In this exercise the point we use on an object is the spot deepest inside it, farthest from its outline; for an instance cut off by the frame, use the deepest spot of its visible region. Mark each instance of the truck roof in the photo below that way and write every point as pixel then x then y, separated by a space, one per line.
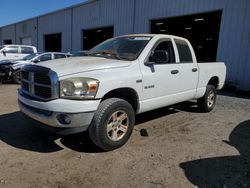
pixel 153 35
pixel 18 45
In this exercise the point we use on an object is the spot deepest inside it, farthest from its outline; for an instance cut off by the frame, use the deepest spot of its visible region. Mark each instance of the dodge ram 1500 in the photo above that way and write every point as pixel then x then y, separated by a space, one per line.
pixel 127 75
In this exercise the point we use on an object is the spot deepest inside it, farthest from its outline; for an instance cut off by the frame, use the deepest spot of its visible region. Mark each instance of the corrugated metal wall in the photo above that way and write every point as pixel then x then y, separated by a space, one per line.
pixel 8 33
pixel 1 36
pixel 117 13
pixel 234 41
pixel 133 16
pixel 27 29
pixel 58 22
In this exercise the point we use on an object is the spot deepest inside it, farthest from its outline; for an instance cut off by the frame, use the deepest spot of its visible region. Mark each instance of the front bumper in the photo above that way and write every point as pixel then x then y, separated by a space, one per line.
pixel 49 114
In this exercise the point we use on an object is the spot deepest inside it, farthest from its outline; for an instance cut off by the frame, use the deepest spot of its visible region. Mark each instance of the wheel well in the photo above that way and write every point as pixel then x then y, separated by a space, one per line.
pixel 214 81
pixel 127 94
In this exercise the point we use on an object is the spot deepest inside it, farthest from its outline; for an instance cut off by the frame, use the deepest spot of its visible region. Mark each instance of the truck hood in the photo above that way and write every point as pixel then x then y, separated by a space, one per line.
pixel 74 65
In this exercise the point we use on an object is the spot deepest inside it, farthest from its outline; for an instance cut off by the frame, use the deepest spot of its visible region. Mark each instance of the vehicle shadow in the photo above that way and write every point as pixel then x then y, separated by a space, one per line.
pixel 18 132
pixel 188 106
pixel 226 171
pixel 154 114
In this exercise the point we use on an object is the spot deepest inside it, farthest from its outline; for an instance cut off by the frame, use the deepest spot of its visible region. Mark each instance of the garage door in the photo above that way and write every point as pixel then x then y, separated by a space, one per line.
pixel 26 41
pixel 92 37
pixel 53 42
pixel 202 30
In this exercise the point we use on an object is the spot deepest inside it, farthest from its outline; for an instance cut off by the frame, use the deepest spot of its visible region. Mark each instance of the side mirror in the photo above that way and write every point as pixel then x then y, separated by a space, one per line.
pixel 36 60
pixel 161 56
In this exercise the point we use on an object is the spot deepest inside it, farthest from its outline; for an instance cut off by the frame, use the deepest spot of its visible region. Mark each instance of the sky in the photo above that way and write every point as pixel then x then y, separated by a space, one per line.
pixel 17 10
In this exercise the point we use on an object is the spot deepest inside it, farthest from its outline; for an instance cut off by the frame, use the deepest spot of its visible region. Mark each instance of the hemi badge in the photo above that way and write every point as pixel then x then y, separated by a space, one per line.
pixel 138 81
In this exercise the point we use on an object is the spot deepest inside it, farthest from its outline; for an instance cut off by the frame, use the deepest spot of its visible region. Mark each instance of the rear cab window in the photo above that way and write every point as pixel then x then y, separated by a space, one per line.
pixel 184 51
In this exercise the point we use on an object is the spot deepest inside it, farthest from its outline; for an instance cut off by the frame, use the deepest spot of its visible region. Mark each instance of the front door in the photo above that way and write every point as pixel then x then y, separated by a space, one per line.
pixel 167 83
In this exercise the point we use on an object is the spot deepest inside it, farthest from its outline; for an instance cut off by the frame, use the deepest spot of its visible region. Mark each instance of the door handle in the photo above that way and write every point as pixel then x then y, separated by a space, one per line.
pixel 174 71
pixel 194 70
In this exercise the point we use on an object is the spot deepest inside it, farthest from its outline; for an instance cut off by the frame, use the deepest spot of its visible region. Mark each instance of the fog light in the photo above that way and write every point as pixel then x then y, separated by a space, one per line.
pixel 63 119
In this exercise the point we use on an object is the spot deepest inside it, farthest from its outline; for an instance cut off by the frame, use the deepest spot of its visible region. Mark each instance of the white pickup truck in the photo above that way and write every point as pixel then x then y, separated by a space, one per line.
pixel 15 52
pixel 101 92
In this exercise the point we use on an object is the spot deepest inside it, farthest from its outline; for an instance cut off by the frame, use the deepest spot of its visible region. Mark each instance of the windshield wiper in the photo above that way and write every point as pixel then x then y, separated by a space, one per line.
pixel 106 52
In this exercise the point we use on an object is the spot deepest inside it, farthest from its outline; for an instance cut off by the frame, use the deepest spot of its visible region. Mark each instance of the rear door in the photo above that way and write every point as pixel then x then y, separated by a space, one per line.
pixel 187 70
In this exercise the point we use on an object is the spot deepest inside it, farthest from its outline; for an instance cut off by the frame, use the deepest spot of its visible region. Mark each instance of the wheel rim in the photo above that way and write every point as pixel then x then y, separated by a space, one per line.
pixel 210 99
pixel 117 125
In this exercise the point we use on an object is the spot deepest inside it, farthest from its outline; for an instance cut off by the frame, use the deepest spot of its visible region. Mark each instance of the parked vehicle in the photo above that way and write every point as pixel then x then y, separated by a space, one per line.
pixel 80 54
pixel 15 51
pixel 121 77
pixel 11 69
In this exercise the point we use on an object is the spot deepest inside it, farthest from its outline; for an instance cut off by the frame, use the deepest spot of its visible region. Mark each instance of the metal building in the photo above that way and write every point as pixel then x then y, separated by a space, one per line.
pixel 218 29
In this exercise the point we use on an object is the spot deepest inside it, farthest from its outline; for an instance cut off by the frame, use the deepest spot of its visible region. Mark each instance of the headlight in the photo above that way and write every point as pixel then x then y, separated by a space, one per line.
pixel 78 88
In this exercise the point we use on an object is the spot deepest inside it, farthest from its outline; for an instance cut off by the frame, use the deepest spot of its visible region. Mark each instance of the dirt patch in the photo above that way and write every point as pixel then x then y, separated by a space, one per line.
pixel 184 148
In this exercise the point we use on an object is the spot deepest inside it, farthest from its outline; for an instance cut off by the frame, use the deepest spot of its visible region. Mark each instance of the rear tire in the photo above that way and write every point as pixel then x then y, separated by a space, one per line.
pixel 207 102
pixel 112 124
pixel 17 76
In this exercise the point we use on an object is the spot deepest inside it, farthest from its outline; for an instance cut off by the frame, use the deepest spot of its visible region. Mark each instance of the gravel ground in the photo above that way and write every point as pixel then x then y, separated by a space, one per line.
pixel 184 148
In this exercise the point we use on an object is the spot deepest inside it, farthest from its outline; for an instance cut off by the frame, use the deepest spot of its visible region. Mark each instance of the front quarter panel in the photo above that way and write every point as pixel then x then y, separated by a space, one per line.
pixel 114 78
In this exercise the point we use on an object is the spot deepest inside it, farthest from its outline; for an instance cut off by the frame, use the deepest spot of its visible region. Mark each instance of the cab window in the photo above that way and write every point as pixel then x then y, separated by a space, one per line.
pixel 11 49
pixel 167 46
pixel 184 51
pixel 45 57
pixel 59 56
pixel 27 50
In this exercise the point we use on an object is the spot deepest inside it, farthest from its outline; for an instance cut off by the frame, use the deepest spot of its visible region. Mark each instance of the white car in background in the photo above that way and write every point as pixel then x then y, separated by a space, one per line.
pixel 10 69
pixel 16 51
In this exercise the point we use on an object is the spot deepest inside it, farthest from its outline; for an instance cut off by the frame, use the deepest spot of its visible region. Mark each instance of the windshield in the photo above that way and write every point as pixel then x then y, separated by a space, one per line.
pixel 127 48
pixel 29 57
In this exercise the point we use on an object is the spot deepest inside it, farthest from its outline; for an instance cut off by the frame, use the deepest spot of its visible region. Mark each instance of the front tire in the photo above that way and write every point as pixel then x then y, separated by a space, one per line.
pixel 17 76
pixel 112 124
pixel 207 102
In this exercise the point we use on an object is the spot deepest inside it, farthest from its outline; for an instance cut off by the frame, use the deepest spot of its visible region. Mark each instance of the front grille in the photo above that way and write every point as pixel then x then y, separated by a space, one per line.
pixel 39 82
pixel 41 91
pixel 42 79
pixel 25 86
pixel 25 75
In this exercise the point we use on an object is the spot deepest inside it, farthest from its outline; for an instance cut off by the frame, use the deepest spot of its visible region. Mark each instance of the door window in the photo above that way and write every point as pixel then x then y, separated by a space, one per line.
pixel 184 51
pixel 11 49
pixel 168 47
pixel 27 50
pixel 45 57
pixel 59 56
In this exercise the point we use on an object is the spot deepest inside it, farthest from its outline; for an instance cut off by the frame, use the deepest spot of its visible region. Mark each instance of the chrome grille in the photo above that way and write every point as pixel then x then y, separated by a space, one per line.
pixel 39 82
pixel 42 79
